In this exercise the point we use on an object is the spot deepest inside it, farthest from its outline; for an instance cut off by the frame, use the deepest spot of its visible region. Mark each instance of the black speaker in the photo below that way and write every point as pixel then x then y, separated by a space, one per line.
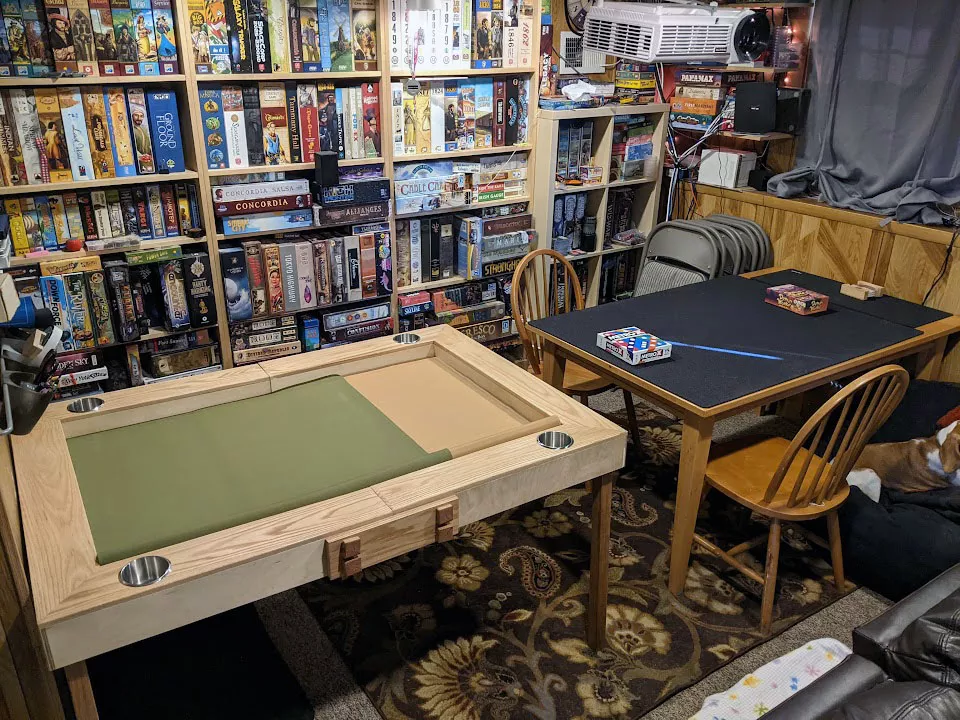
pixel 326 169
pixel 755 110
pixel 792 105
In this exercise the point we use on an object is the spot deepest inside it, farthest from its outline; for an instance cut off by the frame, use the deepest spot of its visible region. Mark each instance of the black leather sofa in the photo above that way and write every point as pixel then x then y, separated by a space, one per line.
pixel 905 664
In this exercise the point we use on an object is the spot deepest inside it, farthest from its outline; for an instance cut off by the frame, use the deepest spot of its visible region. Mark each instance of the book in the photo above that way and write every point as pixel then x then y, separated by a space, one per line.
pixel 328 123
pixel 310 36
pixel 118 125
pixel 61 35
pixel 364 34
pixel 309 120
pixel 483 100
pixel 241 60
pixel 236 284
pixel 234 128
pixel 276 135
pixel 215 14
pixel 259 36
pixel 340 35
pixel 163 24
pixel 142 140
pixel 125 36
pixel 199 37
pixel 81 27
pixel 211 116
pixel 258 289
pixel 54 141
pixel 278 30
pixel 165 128
pixel 295 41
pixel 253 124
pixel 293 121
pixel 370 98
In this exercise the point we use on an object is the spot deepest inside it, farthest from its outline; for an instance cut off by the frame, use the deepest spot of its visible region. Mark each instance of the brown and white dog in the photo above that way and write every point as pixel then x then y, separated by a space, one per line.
pixel 913 466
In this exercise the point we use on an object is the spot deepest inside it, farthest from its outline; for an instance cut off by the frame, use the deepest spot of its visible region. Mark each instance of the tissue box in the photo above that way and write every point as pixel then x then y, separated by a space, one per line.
pixel 797 299
pixel 633 345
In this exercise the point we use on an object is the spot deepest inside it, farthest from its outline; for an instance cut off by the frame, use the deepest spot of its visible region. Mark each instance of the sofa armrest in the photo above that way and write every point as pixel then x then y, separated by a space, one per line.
pixel 829 691
pixel 873 640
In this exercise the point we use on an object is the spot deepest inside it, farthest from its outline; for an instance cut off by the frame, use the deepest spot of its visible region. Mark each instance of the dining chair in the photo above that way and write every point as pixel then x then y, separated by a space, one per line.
pixel 805 478
pixel 546 284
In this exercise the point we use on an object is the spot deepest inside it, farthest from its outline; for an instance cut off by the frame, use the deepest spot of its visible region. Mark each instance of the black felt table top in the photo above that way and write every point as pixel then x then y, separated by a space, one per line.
pixel 893 309
pixel 730 314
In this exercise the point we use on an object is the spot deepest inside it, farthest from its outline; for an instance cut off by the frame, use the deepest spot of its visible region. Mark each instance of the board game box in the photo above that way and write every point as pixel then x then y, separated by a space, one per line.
pixel 633 345
pixel 797 299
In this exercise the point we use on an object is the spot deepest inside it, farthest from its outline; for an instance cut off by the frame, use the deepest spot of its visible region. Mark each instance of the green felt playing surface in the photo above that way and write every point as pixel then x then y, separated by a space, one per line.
pixel 160 482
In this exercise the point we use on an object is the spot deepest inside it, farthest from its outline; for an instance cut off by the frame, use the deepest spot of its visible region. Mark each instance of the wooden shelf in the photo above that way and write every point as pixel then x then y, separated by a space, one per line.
pixel 474 72
pixel 88 80
pixel 276 77
pixel 97 184
pixel 567 190
pixel 619 249
pixel 758 137
pixel 287 167
pixel 631 181
pixel 604 111
pixel 431 285
pixel 506 149
pixel 770 5
pixel 21 261
pixel 734 68
pixel 464 208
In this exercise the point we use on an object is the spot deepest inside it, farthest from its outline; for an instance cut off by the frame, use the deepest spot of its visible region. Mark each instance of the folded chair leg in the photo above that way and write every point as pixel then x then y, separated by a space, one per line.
pixel 836 551
pixel 585 399
pixel 770 577
pixel 632 418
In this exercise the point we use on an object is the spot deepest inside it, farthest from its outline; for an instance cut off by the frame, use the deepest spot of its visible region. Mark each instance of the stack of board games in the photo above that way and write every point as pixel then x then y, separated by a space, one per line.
pixel 459 114
pixel 428 249
pixel 102 303
pixel 282 36
pixel 454 184
pixel 263 206
pixel 633 345
pixel 570 219
pixel 634 84
pixel 92 38
pixel 478 34
pixel 618 276
pixel 621 204
pixel 575 153
pixel 101 219
pixel 276 123
pixel 303 274
pixel 703 94
pixel 632 155
pixel 74 133
pixel 479 309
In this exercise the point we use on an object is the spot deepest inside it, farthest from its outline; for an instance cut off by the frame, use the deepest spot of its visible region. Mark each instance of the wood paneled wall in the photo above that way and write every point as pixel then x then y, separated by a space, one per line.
pixel 848 246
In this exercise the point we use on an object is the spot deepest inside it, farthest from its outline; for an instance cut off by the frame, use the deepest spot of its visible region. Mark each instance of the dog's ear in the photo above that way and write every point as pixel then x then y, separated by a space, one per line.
pixel 950 453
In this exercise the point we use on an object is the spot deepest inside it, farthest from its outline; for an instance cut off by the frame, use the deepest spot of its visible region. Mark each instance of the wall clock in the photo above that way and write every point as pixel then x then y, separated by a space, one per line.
pixel 577 13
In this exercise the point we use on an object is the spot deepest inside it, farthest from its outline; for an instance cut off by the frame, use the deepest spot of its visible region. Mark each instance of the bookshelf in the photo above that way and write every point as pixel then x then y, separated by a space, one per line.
pixel 646 200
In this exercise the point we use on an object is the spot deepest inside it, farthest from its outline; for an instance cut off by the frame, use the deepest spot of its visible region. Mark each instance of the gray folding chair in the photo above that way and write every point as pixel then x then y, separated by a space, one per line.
pixel 750 229
pixel 676 254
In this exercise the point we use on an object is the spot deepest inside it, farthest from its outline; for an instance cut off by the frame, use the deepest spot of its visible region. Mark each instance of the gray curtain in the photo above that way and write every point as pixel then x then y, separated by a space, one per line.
pixel 883 131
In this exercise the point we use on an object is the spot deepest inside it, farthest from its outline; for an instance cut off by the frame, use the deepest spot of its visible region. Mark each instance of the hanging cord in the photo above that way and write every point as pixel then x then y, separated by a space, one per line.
pixel 951 216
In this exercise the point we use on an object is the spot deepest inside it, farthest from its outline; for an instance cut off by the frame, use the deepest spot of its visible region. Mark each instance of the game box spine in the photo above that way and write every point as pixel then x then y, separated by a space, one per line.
pixel 122 304
pixel 276 133
pixel 261 339
pixel 234 127
pixel 296 42
pixel 199 281
pixel 243 357
pixel 142 139
pixel 293 122
pixel 307 100
pixel 309 36
pixel 131 222
pixel 278 29
pixel 29 135
pixel 218 35
pixel 199 37
pixel 14 172
pixel 253 252
pixel 254 124
pixel 353 316
pixel 365 48
pixel 368 265
pixel 146 37
pixel 384 261
pixel 267 222
pixel 259 37
pixel 18 232
pixel 81 29
pixel 321 267
pixel 271 204
pixel 125 37
pixel 118 127
pixel 100 308
pixel 16 60
pixel 169 202
pixel 240 50
pixel 340 39
pixel 98 134
pixel 174 295
pixel 164 25
pixel 114 213
pixel 51 124
pixel 211 116
pixel 288 276
pixel 306 276
pixel 255 191
pixel 361 331
pixel 165 128
pixel 156 222
pixel 236 285
pixel 61 36
pixel 248 327
pixel 55 299
pixel 274 278
pixel 75 133
pixel 338 276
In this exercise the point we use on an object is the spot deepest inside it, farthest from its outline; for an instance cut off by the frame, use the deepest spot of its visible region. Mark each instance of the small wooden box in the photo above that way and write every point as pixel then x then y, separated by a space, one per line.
pixel 797 299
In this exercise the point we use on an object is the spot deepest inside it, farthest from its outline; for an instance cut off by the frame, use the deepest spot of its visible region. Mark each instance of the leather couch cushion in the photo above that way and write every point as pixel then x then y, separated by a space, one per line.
pixel 929 649
pixel 901 701
pixel 829 691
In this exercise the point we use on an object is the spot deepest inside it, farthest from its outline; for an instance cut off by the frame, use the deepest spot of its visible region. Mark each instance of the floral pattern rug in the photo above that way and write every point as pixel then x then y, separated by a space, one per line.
pixel 491 625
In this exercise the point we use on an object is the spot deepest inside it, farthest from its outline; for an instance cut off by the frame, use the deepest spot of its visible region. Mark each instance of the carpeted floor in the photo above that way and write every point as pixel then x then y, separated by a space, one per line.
pixel 491 624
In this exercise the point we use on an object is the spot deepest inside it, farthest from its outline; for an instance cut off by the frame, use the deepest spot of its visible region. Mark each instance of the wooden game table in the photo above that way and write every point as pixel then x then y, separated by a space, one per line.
pixel 733 353
pixel 248 482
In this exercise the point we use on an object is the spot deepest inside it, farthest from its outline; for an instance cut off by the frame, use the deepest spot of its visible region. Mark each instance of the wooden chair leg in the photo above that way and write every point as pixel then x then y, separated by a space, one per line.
pixel 836 551
pixel 631 418
pixel 770 577
pixel 585 399
pixel 84 705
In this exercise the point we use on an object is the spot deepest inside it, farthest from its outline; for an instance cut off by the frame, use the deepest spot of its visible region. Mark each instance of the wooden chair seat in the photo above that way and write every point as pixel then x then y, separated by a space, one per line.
pixel 577 380
pixel 742 469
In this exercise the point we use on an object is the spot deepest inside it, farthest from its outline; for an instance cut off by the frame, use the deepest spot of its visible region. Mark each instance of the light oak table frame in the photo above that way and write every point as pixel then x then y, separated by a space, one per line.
pixel 83 610
pixel 697 435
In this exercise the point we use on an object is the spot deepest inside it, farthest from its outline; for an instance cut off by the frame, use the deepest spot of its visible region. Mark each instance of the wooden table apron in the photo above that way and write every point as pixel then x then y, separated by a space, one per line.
pixel 82 609
pixel 698 422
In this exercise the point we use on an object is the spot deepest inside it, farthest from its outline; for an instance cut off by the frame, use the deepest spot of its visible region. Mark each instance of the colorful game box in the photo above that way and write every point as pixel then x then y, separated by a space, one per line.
pixel 797 299
pixel 165 127
pixel 633 345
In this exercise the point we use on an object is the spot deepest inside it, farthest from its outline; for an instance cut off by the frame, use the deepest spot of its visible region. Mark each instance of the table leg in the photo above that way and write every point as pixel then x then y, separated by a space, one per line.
pixel 930 360
pixel 602 491
pixel 552 365
pixel 694 452
pixel 84 704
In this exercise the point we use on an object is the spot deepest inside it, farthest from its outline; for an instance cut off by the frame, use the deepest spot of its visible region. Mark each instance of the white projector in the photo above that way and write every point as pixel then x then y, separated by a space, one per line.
pixel 650 33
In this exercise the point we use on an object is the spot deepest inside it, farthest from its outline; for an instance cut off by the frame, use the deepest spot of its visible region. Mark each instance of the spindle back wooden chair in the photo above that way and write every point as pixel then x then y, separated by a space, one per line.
pixel 545 284
pixel 805 478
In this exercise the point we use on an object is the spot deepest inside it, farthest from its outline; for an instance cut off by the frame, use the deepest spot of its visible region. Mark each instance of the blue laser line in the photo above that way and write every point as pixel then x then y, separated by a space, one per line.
pixel 726 351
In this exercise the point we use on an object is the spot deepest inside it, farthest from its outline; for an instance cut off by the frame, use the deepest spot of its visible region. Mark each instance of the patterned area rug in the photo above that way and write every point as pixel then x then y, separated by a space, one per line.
pixel 491 625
